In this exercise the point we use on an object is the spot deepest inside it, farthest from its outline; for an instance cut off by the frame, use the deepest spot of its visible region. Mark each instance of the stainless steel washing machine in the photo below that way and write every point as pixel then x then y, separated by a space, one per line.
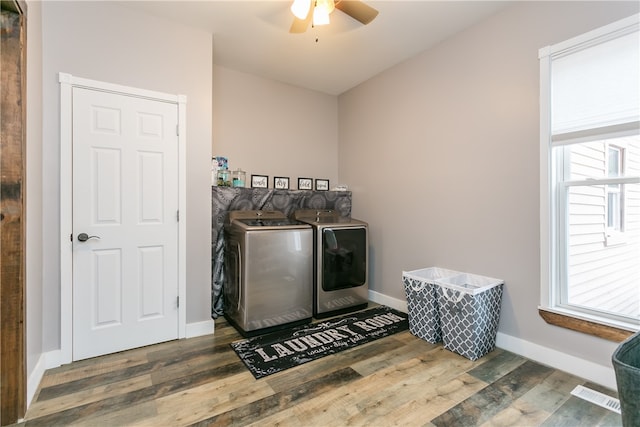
pixel 269 271
pixel 341 258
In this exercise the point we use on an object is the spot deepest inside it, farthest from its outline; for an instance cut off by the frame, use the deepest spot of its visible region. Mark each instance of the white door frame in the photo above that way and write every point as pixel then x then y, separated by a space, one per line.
pixel 67 83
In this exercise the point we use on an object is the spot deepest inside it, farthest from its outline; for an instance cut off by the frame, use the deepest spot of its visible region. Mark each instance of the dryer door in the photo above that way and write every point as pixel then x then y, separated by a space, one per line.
pixel 344 259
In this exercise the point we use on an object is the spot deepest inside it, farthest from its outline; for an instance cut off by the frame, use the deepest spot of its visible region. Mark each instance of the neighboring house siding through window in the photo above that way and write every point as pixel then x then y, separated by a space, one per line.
pixel 590 175
pixel 603 260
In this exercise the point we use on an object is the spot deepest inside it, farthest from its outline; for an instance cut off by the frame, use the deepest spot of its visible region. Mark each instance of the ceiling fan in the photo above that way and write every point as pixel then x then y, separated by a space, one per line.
pixel 316 12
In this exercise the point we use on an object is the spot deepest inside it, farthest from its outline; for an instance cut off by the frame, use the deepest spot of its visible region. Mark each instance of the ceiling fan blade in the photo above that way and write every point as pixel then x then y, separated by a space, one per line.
pixel 298 25
pixel 301 25
pixel 357 10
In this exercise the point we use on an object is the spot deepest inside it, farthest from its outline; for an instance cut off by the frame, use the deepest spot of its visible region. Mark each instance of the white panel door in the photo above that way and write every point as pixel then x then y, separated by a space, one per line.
pixel 125 224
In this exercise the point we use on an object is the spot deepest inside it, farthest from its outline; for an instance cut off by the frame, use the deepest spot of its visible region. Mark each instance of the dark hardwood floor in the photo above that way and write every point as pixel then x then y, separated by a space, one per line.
pixel 398 380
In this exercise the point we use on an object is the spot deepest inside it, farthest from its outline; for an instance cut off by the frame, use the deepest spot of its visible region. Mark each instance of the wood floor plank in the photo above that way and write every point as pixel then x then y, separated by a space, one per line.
pixel 96 366
pixel 326 409
pixel 321 409
pixel 577 411
pixel 610 419
pixel 551 393
pixel 286 419
pixel 409 350
pixel 440 382
pixel 495 397
pixel 87 383
pixel 519 413
pixel 104 406
pixel 207 400
pixel 536 405
pixel 495 365
pixel 177 360
pixel 425 402
pixel 342 403
pixel 123 417
pixel 367 395
pixel 197 362
pixel 63 402
pixel 269 405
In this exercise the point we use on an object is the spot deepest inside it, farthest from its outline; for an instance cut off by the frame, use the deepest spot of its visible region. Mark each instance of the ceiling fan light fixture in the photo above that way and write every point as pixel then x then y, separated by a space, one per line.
pixel 320 16
pixel 316 12
pixel 300 8
pixel 327 5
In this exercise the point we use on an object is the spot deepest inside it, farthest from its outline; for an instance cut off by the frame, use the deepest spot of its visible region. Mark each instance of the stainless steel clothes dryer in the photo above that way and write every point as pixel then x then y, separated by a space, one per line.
pixel 341 258
pixel 269 271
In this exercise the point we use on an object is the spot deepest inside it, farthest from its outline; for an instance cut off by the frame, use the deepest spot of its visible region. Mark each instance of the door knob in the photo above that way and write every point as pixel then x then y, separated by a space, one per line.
pixel 83 237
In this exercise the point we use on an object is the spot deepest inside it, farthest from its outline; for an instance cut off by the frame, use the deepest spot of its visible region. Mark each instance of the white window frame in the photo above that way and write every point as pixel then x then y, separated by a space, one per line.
pixel 552 257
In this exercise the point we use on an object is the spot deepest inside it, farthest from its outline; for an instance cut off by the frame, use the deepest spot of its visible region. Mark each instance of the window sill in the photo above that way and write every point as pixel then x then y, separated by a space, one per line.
pixel 565 320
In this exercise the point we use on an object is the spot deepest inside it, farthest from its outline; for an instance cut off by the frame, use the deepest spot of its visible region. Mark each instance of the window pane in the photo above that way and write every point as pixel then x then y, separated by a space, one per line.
pixel 614 212
pixel 593 160
pixel 614 161
pixel 601 277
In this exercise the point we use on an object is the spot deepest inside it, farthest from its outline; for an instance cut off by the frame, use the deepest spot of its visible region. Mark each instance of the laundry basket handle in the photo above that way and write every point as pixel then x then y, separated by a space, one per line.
pixel 452 297
pixel 417 288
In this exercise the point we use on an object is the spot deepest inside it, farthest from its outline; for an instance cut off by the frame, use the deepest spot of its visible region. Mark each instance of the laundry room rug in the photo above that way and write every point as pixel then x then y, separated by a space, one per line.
pixel 267 354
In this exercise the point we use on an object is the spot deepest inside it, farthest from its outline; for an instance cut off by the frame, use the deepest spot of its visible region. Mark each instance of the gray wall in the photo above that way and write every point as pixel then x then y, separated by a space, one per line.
pixel 108 42
pixel 442 154
pixel 270 128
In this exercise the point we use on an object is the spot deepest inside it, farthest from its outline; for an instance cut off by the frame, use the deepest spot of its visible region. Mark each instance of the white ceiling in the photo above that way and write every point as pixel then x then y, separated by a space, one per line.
pixel 253 37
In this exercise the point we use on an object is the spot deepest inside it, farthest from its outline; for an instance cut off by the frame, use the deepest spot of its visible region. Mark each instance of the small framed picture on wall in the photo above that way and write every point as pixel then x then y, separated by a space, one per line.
pixel 305 184
pixel 280 183
pixel 322 185
pixel 259 181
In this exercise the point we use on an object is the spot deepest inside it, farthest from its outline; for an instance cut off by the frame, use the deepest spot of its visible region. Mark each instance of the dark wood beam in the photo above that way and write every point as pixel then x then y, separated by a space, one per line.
pixel 12 166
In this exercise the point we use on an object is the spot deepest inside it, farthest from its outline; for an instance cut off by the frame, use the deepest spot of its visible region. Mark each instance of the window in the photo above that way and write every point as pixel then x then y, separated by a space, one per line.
pixel 615 192
pixel 590 175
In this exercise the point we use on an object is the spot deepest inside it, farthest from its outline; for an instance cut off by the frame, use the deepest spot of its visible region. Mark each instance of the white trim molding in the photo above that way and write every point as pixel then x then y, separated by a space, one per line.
pixel 591 371
pixel 395 303
pixel 198 329
pixel 35 377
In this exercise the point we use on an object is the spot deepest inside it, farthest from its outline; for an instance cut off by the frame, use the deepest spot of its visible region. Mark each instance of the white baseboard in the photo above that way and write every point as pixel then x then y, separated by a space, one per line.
pixel 594 372
pixel 198 329
pixel 47 360
pixel 53 359
pixel 383 299
pixel 35 377
pixel 599 374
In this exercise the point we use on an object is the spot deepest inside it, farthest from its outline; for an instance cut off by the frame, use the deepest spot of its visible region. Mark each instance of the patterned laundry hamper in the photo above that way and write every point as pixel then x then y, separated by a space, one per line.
pixel 422 301
pixel 469 309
